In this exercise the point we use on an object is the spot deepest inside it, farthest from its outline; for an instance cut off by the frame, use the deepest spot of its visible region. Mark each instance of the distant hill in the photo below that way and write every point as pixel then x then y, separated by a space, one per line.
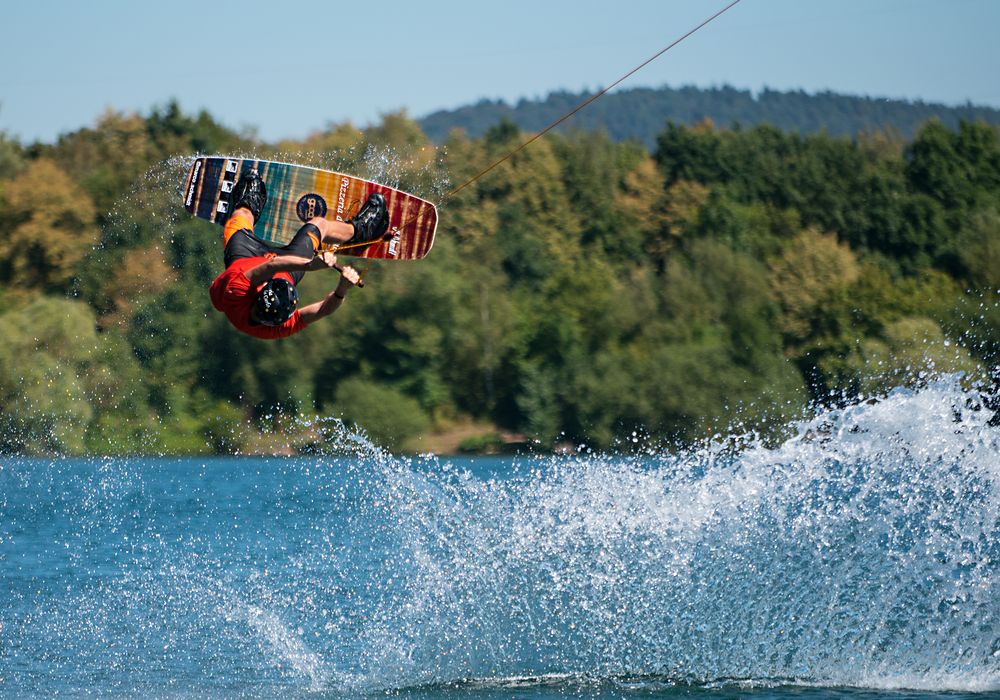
pixel 641 113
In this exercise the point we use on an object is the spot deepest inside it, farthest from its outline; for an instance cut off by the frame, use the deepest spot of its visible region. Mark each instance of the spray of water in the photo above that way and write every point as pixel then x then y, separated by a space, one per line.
pixel 864 551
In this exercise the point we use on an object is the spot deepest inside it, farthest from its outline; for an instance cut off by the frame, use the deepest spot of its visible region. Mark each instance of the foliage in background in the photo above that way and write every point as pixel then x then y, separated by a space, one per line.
pixel 583 290
pixel 638 114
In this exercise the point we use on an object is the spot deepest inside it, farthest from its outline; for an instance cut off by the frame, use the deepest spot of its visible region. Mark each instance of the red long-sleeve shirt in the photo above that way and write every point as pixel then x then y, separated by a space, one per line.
pixel 233 295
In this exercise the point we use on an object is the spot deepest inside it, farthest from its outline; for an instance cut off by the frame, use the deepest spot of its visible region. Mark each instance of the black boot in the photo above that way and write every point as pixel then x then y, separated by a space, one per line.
pixel 249 192
pixel 371 223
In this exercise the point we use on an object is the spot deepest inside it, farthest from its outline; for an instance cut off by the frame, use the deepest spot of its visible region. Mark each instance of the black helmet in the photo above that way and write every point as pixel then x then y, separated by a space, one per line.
pixel 276 302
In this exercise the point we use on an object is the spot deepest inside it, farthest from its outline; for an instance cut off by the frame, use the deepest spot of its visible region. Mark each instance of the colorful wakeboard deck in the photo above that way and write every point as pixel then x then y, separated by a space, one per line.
pixel 296 193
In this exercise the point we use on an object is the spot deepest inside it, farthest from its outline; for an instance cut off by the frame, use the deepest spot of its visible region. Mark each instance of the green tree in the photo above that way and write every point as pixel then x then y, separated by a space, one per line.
pixel 907 352
pixel 57 375
pixel 812 272
pixel 46 228
pixel 980 249
pixel 389 416
pixel 659 217
pixel 11 158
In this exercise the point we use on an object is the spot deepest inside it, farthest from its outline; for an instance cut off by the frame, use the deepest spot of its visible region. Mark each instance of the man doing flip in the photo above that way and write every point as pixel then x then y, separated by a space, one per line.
pixel 257 290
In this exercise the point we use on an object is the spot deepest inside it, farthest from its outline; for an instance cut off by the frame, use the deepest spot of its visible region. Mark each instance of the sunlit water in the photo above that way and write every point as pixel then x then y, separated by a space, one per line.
pixel 861 558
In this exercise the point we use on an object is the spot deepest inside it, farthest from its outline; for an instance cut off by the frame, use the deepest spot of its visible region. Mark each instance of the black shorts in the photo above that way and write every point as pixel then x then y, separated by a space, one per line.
pixel 243 244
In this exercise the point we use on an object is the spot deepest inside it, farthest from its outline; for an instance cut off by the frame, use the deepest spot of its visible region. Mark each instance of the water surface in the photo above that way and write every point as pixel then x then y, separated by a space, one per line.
pixel 859 559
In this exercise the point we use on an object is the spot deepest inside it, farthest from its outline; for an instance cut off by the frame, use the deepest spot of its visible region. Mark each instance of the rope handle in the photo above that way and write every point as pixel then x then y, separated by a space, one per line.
pixel 361 281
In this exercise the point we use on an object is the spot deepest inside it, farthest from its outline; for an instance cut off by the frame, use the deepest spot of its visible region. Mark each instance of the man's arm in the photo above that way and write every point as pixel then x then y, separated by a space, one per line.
pixel 332 301
pixel 285 263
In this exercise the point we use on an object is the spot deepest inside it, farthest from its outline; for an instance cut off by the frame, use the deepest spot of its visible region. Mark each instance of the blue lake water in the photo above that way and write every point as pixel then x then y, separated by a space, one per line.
pixel 860 558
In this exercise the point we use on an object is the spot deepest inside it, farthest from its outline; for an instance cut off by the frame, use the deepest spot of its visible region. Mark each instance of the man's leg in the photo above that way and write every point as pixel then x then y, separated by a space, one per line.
pixel 333 232
pixel 248 200
pixel 304 244
pixel 367 226
pixel 240 219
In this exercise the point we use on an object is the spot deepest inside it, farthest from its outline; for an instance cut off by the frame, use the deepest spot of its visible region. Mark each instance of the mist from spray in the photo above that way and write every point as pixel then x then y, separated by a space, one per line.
pixel 864 551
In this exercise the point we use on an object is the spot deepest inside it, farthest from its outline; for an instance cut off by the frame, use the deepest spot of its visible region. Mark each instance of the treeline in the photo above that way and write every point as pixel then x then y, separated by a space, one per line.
pixel 583 290
pixel 639 113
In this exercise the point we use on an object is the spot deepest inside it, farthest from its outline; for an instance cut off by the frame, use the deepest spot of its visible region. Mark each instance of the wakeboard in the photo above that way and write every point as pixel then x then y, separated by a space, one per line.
pixel 297 193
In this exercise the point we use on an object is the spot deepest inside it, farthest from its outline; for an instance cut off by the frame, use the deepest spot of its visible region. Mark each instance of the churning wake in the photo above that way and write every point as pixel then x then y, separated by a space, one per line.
pixel 864 551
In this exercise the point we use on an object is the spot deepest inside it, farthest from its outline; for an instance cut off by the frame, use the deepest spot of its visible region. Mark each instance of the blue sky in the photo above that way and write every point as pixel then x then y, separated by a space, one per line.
pixel 288 67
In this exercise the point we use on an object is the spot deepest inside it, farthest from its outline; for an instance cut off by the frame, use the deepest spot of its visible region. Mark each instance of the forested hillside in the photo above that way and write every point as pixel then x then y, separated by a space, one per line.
pixel 583 290
pixel 640 113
